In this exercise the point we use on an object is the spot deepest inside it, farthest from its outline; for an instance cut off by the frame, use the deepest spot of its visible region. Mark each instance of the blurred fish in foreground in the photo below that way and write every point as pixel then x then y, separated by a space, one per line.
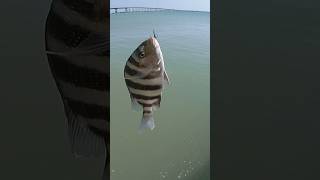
pixel 77 44
pixel 145 76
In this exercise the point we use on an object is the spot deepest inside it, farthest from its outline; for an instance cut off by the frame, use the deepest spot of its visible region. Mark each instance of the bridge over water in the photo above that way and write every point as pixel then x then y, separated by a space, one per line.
pixel 135 9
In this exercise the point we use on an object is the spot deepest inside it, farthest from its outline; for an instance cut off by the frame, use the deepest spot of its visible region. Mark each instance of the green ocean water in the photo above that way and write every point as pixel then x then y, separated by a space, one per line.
pixel 179 147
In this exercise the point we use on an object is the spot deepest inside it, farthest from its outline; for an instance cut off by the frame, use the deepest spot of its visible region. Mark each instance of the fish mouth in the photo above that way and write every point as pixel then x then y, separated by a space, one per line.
pixel 153 42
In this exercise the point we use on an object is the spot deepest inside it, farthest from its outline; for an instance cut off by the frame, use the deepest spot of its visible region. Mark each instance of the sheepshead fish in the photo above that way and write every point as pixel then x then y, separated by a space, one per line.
pixel 145 77
pixel 77 46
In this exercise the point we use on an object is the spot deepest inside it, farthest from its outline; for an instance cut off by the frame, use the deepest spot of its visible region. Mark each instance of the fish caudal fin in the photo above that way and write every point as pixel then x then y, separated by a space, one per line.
pixel 147 122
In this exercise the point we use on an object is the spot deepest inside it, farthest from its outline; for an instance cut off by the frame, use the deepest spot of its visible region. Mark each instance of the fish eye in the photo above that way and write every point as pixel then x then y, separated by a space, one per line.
pixel 141 55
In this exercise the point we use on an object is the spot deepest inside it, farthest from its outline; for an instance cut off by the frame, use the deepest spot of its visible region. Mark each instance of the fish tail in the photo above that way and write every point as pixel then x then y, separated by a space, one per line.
pixel 147 121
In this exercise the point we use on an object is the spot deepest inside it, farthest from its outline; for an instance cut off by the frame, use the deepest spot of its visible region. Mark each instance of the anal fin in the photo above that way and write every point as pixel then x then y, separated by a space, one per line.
pixel 135 105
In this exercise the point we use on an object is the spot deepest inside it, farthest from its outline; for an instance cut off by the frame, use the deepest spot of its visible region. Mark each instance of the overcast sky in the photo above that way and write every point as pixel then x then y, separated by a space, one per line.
pixel 197 5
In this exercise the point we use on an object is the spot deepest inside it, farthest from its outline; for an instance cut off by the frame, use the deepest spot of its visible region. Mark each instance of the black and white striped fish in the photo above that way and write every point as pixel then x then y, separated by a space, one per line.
pixel 145 76
pixel 77 45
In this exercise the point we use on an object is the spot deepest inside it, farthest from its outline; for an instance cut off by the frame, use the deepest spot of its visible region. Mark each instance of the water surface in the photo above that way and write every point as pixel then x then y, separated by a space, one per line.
pixel 178 148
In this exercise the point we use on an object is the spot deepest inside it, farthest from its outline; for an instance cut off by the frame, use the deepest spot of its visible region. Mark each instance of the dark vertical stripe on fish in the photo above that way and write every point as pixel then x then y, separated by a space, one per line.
pixel 130 71
pixel 138 96
pixel 147 105
pixel 79 76
pixel 90 111
pixel 133 61
pixel 142 86
pixel 146 112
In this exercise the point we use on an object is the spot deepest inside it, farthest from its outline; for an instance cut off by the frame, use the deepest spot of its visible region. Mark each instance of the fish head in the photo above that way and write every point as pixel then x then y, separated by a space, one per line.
pixel 148 53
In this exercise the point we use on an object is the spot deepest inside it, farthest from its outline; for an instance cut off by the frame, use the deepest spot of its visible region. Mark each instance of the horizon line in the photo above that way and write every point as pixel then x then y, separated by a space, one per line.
pixel 160 8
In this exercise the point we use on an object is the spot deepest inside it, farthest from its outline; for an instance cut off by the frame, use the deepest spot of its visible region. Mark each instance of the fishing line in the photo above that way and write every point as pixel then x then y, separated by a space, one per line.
pixel 153 21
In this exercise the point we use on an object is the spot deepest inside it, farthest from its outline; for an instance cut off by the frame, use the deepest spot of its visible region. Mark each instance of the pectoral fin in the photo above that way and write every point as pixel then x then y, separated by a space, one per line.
pixel 166 78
